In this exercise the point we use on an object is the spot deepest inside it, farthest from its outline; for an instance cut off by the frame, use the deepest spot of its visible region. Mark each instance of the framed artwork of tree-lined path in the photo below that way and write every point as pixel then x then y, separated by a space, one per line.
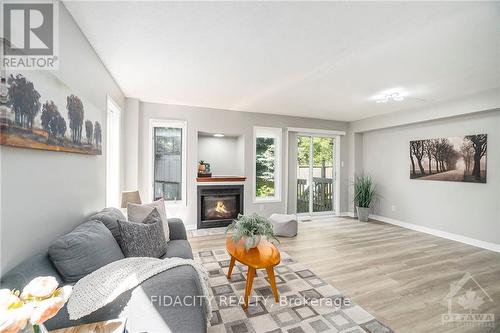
pixel 460 159
pixel 38 111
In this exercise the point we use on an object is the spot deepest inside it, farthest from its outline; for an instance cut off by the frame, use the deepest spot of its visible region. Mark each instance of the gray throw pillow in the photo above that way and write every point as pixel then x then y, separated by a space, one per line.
pixel 137 213
pixel 85 249
pixel 146 239
pixel 109 217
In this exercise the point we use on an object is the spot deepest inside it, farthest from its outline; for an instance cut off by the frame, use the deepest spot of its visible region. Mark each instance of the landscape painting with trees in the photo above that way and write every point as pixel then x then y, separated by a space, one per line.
pixel 38 111
pixel 460 159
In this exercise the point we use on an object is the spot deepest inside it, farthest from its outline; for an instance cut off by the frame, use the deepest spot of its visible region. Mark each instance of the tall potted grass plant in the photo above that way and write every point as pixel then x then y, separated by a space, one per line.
pixel 364 195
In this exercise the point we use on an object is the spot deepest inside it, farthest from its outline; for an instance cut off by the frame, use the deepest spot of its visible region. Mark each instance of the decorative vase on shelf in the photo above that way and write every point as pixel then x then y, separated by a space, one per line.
pixel 252 242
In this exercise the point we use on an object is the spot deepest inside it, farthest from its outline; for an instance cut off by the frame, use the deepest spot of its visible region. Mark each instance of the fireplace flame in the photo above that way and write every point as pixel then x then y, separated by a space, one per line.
pixel 221 208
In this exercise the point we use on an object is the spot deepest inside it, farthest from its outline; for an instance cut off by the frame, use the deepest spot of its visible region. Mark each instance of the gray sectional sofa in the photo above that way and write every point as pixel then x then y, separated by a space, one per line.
pixel 145 307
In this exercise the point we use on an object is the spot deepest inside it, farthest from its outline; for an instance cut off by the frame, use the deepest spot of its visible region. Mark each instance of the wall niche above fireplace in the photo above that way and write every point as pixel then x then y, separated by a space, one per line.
pixel 219 205
pixel 226 154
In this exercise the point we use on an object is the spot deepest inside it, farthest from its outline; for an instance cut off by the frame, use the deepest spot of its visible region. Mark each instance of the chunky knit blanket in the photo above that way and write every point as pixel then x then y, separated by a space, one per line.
pixel 103 286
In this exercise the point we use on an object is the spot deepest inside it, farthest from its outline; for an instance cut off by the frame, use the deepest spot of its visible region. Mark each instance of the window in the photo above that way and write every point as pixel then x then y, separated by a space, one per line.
pixel 267 171
pixel 112 154
pixel 168 156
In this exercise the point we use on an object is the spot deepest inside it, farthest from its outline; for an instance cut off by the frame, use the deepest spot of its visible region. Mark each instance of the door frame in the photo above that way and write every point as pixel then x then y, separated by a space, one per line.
pixel 336 171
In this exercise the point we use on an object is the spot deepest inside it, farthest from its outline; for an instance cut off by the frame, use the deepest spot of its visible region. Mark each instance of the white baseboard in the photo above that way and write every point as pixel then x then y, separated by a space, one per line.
pixel 444 234
pixel 347 214
pixel 302 218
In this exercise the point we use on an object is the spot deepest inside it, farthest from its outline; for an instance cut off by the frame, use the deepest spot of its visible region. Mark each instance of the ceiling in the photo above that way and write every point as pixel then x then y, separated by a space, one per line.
pixel 314 59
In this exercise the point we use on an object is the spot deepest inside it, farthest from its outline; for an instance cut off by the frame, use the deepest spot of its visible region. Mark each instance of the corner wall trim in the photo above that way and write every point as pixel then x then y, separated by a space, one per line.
pixel 439 233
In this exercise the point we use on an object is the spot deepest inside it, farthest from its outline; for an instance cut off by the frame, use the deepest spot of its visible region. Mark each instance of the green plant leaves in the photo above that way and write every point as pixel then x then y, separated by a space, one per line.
pixel 364 191
pixel 247 226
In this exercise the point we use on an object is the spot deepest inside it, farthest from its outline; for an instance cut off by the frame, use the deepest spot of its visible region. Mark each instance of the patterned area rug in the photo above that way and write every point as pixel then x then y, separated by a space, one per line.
pixel 306 304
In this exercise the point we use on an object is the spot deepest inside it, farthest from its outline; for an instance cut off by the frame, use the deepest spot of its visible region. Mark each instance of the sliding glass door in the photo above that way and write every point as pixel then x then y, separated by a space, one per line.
pixel 316 168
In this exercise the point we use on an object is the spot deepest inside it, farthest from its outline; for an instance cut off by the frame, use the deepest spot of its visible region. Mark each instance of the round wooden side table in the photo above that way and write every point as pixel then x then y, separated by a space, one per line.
pixel 265 255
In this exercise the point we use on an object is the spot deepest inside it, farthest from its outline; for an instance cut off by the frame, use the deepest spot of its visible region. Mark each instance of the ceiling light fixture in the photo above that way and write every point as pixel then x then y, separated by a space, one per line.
pixel 219 135
pixel 388 96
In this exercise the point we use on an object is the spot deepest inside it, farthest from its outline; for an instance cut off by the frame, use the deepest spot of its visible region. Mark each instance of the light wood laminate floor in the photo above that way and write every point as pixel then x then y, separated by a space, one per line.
pixel 400 276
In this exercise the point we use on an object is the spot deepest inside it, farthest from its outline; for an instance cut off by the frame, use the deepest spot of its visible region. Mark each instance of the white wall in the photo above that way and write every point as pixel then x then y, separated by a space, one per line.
pixel 292 175
pixel 226 155
pixel 45 194
pixel 466 209
pixel 223 121
pixel 130 144
pixel 355 160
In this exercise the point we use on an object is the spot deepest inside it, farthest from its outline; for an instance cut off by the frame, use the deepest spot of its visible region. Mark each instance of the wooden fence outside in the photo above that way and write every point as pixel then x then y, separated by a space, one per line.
pixel 322 195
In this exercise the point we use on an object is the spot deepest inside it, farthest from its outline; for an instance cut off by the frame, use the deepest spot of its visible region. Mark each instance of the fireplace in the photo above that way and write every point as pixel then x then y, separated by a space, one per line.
pixel 219 205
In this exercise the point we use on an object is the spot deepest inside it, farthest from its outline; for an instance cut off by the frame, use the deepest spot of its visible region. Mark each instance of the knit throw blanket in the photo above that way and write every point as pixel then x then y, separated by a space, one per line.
pixel 103 286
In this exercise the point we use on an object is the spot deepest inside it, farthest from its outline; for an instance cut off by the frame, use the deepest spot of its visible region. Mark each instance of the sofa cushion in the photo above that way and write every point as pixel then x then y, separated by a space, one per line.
pixel 85 249
pixel 179 248
pixel 22 274
pixel 145 239
pixel 137 213
pixel 145 307
pixel 157 315
pixel 176 229
pixel 109 217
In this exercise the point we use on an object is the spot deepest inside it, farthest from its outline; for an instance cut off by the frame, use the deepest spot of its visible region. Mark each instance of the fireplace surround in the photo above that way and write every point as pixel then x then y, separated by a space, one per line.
pixel 219 205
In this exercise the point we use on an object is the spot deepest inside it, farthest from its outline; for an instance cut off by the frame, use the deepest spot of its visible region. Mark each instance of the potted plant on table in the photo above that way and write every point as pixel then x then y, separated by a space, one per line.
pixel 251 228
pixel 364 194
